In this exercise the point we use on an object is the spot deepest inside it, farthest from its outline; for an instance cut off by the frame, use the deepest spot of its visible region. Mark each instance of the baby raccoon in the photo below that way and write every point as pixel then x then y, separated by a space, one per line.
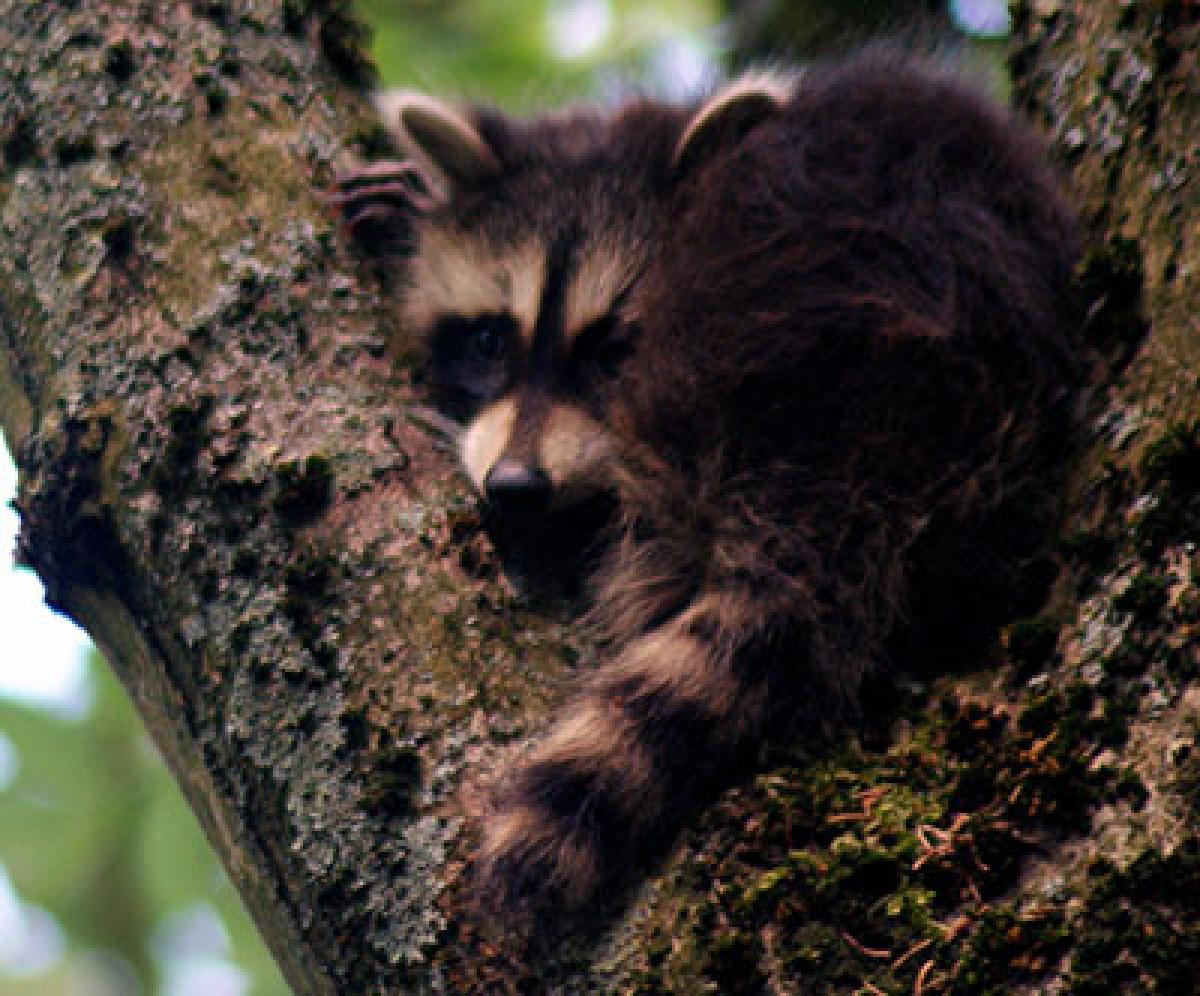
pixel 815 334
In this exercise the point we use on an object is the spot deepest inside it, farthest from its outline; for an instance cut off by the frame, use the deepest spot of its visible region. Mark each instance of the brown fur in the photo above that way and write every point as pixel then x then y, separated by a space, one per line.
pixel 851 379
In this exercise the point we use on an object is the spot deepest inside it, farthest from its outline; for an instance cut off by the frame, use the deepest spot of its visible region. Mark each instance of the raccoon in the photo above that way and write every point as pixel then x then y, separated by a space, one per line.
pixel 816 335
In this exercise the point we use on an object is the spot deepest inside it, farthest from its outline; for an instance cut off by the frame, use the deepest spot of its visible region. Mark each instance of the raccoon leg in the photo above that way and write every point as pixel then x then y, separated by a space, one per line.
pixel 652 726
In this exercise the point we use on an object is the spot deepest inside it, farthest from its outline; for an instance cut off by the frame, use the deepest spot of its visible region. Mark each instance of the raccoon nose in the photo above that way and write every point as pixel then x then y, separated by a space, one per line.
pixel 517 486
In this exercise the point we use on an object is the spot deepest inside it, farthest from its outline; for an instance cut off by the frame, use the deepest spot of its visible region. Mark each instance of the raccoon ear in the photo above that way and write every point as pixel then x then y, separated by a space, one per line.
pixel 440 137
pixel 728 114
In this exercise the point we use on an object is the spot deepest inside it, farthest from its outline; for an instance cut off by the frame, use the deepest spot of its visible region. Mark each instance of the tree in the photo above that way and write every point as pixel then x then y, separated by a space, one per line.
pixel 227 480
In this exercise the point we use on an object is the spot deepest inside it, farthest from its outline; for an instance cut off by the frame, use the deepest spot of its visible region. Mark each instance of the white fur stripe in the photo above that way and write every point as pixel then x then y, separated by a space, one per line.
pixel 575 451
pixel 455 274
pixel 604 272
pixel 597 740
pixel 486 438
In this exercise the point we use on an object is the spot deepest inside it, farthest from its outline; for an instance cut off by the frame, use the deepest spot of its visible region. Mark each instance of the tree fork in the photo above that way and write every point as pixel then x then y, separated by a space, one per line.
pixel 225 479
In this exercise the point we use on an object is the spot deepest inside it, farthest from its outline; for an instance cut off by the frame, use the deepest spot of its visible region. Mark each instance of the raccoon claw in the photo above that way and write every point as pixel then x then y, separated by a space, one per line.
pixel 400 183
pixel 376 202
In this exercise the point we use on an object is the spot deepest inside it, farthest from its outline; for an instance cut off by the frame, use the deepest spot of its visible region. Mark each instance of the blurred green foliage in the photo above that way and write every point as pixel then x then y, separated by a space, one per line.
pixel 523 53
pixel 94 831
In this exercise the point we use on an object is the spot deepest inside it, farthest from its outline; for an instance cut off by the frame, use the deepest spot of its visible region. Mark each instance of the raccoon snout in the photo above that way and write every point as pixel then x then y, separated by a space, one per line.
pixel 516 487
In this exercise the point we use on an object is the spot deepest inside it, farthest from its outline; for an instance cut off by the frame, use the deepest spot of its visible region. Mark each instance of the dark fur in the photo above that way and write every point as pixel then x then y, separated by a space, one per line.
pixel 853 380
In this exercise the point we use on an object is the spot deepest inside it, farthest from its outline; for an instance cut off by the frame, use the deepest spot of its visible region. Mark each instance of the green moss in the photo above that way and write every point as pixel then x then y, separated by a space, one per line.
pixel 1140 929
pixel 765 889
pixel 1070 725
pixel 1040 768
pixel 860 858
pixel 732 962
pixel 1008 949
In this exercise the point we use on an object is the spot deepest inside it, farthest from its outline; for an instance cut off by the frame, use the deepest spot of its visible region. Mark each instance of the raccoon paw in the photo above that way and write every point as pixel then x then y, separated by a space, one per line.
pixel 377 202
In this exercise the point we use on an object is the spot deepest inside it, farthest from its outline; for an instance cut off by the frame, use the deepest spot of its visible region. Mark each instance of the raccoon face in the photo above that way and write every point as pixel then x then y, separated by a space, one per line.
pixel 520 281
pixel 523 353
pixel 523 272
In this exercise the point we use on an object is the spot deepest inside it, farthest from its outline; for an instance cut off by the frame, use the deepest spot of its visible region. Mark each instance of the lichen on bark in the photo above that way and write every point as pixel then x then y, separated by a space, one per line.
pixel 221 476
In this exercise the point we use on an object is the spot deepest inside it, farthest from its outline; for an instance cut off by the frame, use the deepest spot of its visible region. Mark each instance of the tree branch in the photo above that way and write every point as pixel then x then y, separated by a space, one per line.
pixel 225 479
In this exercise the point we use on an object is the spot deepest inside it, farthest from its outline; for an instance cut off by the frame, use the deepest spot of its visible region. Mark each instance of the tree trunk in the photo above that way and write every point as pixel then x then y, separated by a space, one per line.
pixel 226 479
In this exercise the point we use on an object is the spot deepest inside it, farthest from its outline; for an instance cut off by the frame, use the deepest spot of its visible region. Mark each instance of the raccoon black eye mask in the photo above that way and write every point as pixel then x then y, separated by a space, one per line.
pixel 815 333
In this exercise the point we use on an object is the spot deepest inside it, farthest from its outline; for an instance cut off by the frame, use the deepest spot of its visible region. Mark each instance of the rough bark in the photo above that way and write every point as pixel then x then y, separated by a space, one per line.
pixel 222 479
pixel 225 479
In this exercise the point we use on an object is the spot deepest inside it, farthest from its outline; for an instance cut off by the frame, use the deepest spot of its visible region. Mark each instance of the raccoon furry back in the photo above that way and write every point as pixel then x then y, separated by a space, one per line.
pixel 846 387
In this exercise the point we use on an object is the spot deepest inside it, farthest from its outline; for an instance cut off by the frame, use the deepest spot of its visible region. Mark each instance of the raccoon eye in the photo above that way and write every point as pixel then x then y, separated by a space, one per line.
pixel 602 347
pixel 469 359
pixel 488 344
